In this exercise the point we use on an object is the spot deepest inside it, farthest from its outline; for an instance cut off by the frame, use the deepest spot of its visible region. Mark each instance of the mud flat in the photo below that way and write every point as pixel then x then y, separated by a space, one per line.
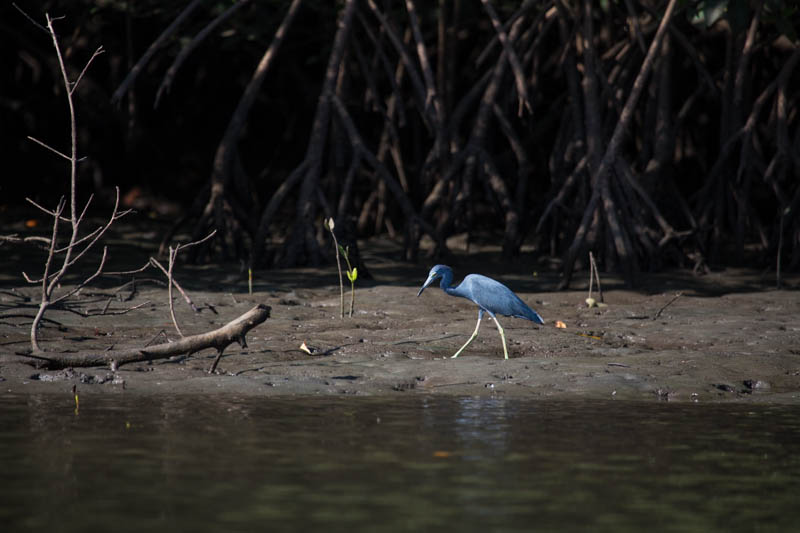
pixel 729 336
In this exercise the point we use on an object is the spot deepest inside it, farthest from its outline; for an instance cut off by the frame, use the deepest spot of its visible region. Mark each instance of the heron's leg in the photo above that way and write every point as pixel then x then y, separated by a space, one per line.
pixel 474 334
pixel 502 335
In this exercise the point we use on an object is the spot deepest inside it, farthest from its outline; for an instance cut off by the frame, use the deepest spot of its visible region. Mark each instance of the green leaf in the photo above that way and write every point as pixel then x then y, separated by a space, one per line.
pixel 352 275
pixel 342 250
pixel 707 12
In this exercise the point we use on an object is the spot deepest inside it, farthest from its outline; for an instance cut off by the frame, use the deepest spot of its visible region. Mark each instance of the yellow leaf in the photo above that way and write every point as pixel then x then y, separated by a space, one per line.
pixel 560 325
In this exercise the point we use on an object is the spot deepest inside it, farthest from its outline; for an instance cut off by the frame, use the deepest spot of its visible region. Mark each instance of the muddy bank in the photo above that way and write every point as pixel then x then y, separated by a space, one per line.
pixel 729 336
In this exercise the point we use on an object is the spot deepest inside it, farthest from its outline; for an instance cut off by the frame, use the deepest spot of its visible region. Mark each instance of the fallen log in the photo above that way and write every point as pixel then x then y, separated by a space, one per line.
pixel 233 331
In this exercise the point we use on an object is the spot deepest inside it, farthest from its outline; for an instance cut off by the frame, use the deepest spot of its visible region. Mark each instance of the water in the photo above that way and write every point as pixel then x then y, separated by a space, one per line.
pixel 145 464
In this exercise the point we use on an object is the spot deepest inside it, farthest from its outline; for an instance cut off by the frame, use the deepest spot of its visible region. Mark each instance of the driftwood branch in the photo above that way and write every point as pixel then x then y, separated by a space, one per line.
pixel 219 339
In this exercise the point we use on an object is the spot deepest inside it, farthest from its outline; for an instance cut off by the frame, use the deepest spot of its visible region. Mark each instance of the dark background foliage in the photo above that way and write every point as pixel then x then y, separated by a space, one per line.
pixel 706 174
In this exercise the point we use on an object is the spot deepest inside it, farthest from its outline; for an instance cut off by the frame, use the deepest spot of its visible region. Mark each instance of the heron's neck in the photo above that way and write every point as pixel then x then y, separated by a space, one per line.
pixel 447 278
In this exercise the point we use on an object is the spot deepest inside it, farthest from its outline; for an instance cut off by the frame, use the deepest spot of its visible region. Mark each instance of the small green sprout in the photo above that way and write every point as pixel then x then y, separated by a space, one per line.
pixel 352 275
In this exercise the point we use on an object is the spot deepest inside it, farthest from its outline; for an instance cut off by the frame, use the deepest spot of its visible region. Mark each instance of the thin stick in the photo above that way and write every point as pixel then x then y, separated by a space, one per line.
pixel 596 274
pixel 330 225
pixel 47 146
pixel 172 253
pixel 104 311
pixel 780 249
pixel 15 238
pixel 29 17
pixel 658 314
pixel 48 211
pixel 86 67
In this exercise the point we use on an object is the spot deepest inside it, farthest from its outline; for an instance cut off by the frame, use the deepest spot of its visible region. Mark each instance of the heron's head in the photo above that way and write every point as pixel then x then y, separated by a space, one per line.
pixel 437 272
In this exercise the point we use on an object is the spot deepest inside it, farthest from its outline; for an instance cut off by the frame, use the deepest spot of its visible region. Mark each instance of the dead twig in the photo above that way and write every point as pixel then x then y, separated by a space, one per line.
pixel 173 253
pixel 658 313
pixel 594 274
pixel 14 238
pixel 105 311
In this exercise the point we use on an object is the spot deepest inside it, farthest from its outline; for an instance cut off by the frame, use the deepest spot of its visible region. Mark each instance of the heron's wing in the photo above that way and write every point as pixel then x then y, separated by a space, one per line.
pixel 495 297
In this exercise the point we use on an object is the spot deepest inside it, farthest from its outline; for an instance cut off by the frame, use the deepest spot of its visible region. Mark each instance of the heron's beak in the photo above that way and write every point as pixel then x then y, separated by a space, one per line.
pixel 427 283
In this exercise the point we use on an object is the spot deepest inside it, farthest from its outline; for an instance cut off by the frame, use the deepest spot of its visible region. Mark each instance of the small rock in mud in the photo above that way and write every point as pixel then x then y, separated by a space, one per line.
pixel 756 384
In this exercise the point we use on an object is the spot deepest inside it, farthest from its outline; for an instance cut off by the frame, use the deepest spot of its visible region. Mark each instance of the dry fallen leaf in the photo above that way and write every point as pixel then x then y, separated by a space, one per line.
pixel 31 223
pixel 560 325
pixel 305 348
pixel 442 454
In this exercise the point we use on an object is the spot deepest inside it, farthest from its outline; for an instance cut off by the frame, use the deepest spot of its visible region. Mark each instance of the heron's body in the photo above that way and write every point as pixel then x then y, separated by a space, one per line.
pixel 489 295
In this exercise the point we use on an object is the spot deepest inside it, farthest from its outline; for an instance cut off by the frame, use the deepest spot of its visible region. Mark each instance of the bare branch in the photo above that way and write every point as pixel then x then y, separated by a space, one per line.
pixel 166 83
pixel 32 21
pixel 47 146
pixel 511 56
pixel 160 40
pixel 186 297
pixel 86 281
pixel 86 67
pixel 48 211
pixel 115 215
pixel 14 238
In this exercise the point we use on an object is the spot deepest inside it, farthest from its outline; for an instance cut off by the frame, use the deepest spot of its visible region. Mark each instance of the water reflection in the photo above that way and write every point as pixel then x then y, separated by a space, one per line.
pixel 128 463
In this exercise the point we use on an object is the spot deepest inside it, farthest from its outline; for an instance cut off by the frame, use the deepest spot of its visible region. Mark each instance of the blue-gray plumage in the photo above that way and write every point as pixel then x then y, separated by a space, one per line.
pixel 489 295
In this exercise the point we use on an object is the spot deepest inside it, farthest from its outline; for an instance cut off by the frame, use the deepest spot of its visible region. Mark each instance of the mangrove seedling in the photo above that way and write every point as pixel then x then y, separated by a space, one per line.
pixel 329 224
pixel 352 275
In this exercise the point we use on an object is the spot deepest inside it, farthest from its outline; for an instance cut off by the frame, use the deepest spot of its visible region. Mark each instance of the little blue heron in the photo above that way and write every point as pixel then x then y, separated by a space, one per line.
pixel 489 295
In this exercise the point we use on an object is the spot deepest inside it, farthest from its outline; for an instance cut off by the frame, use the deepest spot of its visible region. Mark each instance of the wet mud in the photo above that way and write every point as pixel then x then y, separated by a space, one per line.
pixel 725 336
